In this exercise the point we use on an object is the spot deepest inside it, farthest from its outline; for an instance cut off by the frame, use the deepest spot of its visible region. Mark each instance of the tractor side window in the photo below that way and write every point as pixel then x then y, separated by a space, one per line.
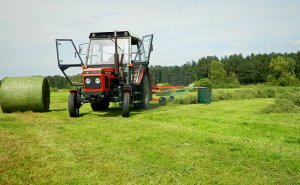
pixel 144 49
pixel 140 53
pixel 123 49
pixel 147 46
pixel 94 56
pixel 133 52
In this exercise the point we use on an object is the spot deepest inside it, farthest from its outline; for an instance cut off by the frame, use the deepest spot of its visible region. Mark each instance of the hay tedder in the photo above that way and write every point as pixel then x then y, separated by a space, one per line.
pixel 167 93
pixel 115 70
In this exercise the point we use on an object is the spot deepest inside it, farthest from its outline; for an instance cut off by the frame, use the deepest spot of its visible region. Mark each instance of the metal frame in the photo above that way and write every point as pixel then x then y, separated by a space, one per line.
pixel 150 49
pixel 141 44
pixel 63 67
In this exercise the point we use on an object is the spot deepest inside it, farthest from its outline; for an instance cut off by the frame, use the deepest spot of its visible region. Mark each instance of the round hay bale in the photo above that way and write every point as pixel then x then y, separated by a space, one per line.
pixel 24 94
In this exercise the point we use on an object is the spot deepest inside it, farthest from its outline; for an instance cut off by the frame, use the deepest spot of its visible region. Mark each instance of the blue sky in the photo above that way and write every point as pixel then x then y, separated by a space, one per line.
pixel 183 30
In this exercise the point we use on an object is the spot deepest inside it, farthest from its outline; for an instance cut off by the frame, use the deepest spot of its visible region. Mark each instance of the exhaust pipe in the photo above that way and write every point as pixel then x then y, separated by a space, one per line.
pixel 116 55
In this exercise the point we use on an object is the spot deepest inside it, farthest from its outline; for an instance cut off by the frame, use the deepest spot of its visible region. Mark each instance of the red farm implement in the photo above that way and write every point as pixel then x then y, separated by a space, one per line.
pixel 167 93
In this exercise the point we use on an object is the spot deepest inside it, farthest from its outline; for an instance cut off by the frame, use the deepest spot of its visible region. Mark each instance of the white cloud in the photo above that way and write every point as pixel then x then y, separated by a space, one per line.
pixel 294 42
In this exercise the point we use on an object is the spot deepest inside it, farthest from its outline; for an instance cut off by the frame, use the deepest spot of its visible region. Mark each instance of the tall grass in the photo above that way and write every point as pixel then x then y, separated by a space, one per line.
pixel 239 93
pixel 254 92
pixel 187 99
pixel 243 93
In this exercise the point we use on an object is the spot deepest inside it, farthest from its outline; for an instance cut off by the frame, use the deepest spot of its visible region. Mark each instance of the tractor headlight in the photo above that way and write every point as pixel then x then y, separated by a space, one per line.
pixel 87 81
pixel 97 80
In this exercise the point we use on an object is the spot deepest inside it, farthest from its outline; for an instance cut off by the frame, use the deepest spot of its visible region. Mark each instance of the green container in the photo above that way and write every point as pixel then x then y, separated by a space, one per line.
pixel 204 95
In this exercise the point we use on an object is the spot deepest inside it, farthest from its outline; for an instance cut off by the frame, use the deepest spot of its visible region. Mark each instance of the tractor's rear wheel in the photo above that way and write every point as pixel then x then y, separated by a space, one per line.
pixel 73 105
pixel 125 106
pixel 145 93
pixel 100 105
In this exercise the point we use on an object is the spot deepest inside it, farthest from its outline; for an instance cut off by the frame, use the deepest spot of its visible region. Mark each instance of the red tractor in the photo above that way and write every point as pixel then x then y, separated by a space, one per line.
pixel 116 69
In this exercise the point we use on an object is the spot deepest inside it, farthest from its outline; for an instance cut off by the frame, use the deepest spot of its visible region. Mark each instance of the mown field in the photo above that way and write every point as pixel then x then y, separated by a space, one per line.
pixel 225 142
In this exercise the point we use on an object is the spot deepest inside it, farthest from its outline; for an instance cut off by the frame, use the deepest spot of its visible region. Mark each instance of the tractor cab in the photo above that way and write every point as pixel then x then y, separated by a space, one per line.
pixel 107 60
pixel 115 63
pixel 101 49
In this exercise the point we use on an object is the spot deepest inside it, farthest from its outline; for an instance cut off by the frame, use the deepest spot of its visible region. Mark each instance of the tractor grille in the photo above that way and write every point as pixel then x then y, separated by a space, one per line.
pixel 92 85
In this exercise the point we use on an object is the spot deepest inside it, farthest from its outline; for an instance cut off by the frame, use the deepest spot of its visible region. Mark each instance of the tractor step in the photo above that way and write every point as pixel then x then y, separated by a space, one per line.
pixel 137 92
pixel 137 101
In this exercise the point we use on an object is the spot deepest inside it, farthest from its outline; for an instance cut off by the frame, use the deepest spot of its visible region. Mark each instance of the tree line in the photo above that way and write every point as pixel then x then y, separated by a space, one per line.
pixel 61 82
pixel 232 69
pixel 251 69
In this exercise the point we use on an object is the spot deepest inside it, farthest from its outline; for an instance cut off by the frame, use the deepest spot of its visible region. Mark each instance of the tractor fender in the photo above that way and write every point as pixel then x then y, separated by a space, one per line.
pixel 148 74
pixel 73 91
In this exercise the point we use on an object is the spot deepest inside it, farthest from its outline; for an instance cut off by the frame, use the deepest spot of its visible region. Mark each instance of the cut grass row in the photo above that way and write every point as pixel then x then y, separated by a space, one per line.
pixel 226 142
pixel 239 93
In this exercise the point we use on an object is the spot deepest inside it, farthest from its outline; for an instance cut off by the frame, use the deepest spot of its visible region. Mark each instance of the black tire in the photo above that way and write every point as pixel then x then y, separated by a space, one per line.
pixel 162 101
pixel 100 105
pixel 145 93
pixel 73 105
pixel 125 106
pixel 171 98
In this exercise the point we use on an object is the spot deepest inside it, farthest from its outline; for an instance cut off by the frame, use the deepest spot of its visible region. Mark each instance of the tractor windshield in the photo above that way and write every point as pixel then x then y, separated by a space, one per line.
pixel 101 51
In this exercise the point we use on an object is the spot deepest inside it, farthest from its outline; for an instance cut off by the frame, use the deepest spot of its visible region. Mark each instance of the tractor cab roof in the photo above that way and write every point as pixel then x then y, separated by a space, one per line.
pixel 120 34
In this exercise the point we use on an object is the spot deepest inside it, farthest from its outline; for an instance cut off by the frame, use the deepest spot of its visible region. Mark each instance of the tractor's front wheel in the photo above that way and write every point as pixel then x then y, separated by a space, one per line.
pixel 125 106
pixel 73 105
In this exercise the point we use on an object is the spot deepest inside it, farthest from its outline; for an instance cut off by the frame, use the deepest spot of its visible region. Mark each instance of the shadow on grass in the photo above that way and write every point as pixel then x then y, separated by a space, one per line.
pixel 35 111
pixel 117 111
pixel 57 110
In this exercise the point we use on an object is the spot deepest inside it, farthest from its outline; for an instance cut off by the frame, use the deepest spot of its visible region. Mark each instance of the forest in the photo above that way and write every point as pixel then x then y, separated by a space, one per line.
pixel 281 69
pixel 251 69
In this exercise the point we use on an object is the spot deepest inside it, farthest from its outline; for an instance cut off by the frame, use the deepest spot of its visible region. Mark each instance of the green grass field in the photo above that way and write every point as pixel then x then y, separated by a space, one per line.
pixel 225 142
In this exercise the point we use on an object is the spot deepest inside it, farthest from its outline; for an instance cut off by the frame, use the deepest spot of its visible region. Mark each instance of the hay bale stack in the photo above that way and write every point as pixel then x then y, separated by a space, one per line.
pixel 24 94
